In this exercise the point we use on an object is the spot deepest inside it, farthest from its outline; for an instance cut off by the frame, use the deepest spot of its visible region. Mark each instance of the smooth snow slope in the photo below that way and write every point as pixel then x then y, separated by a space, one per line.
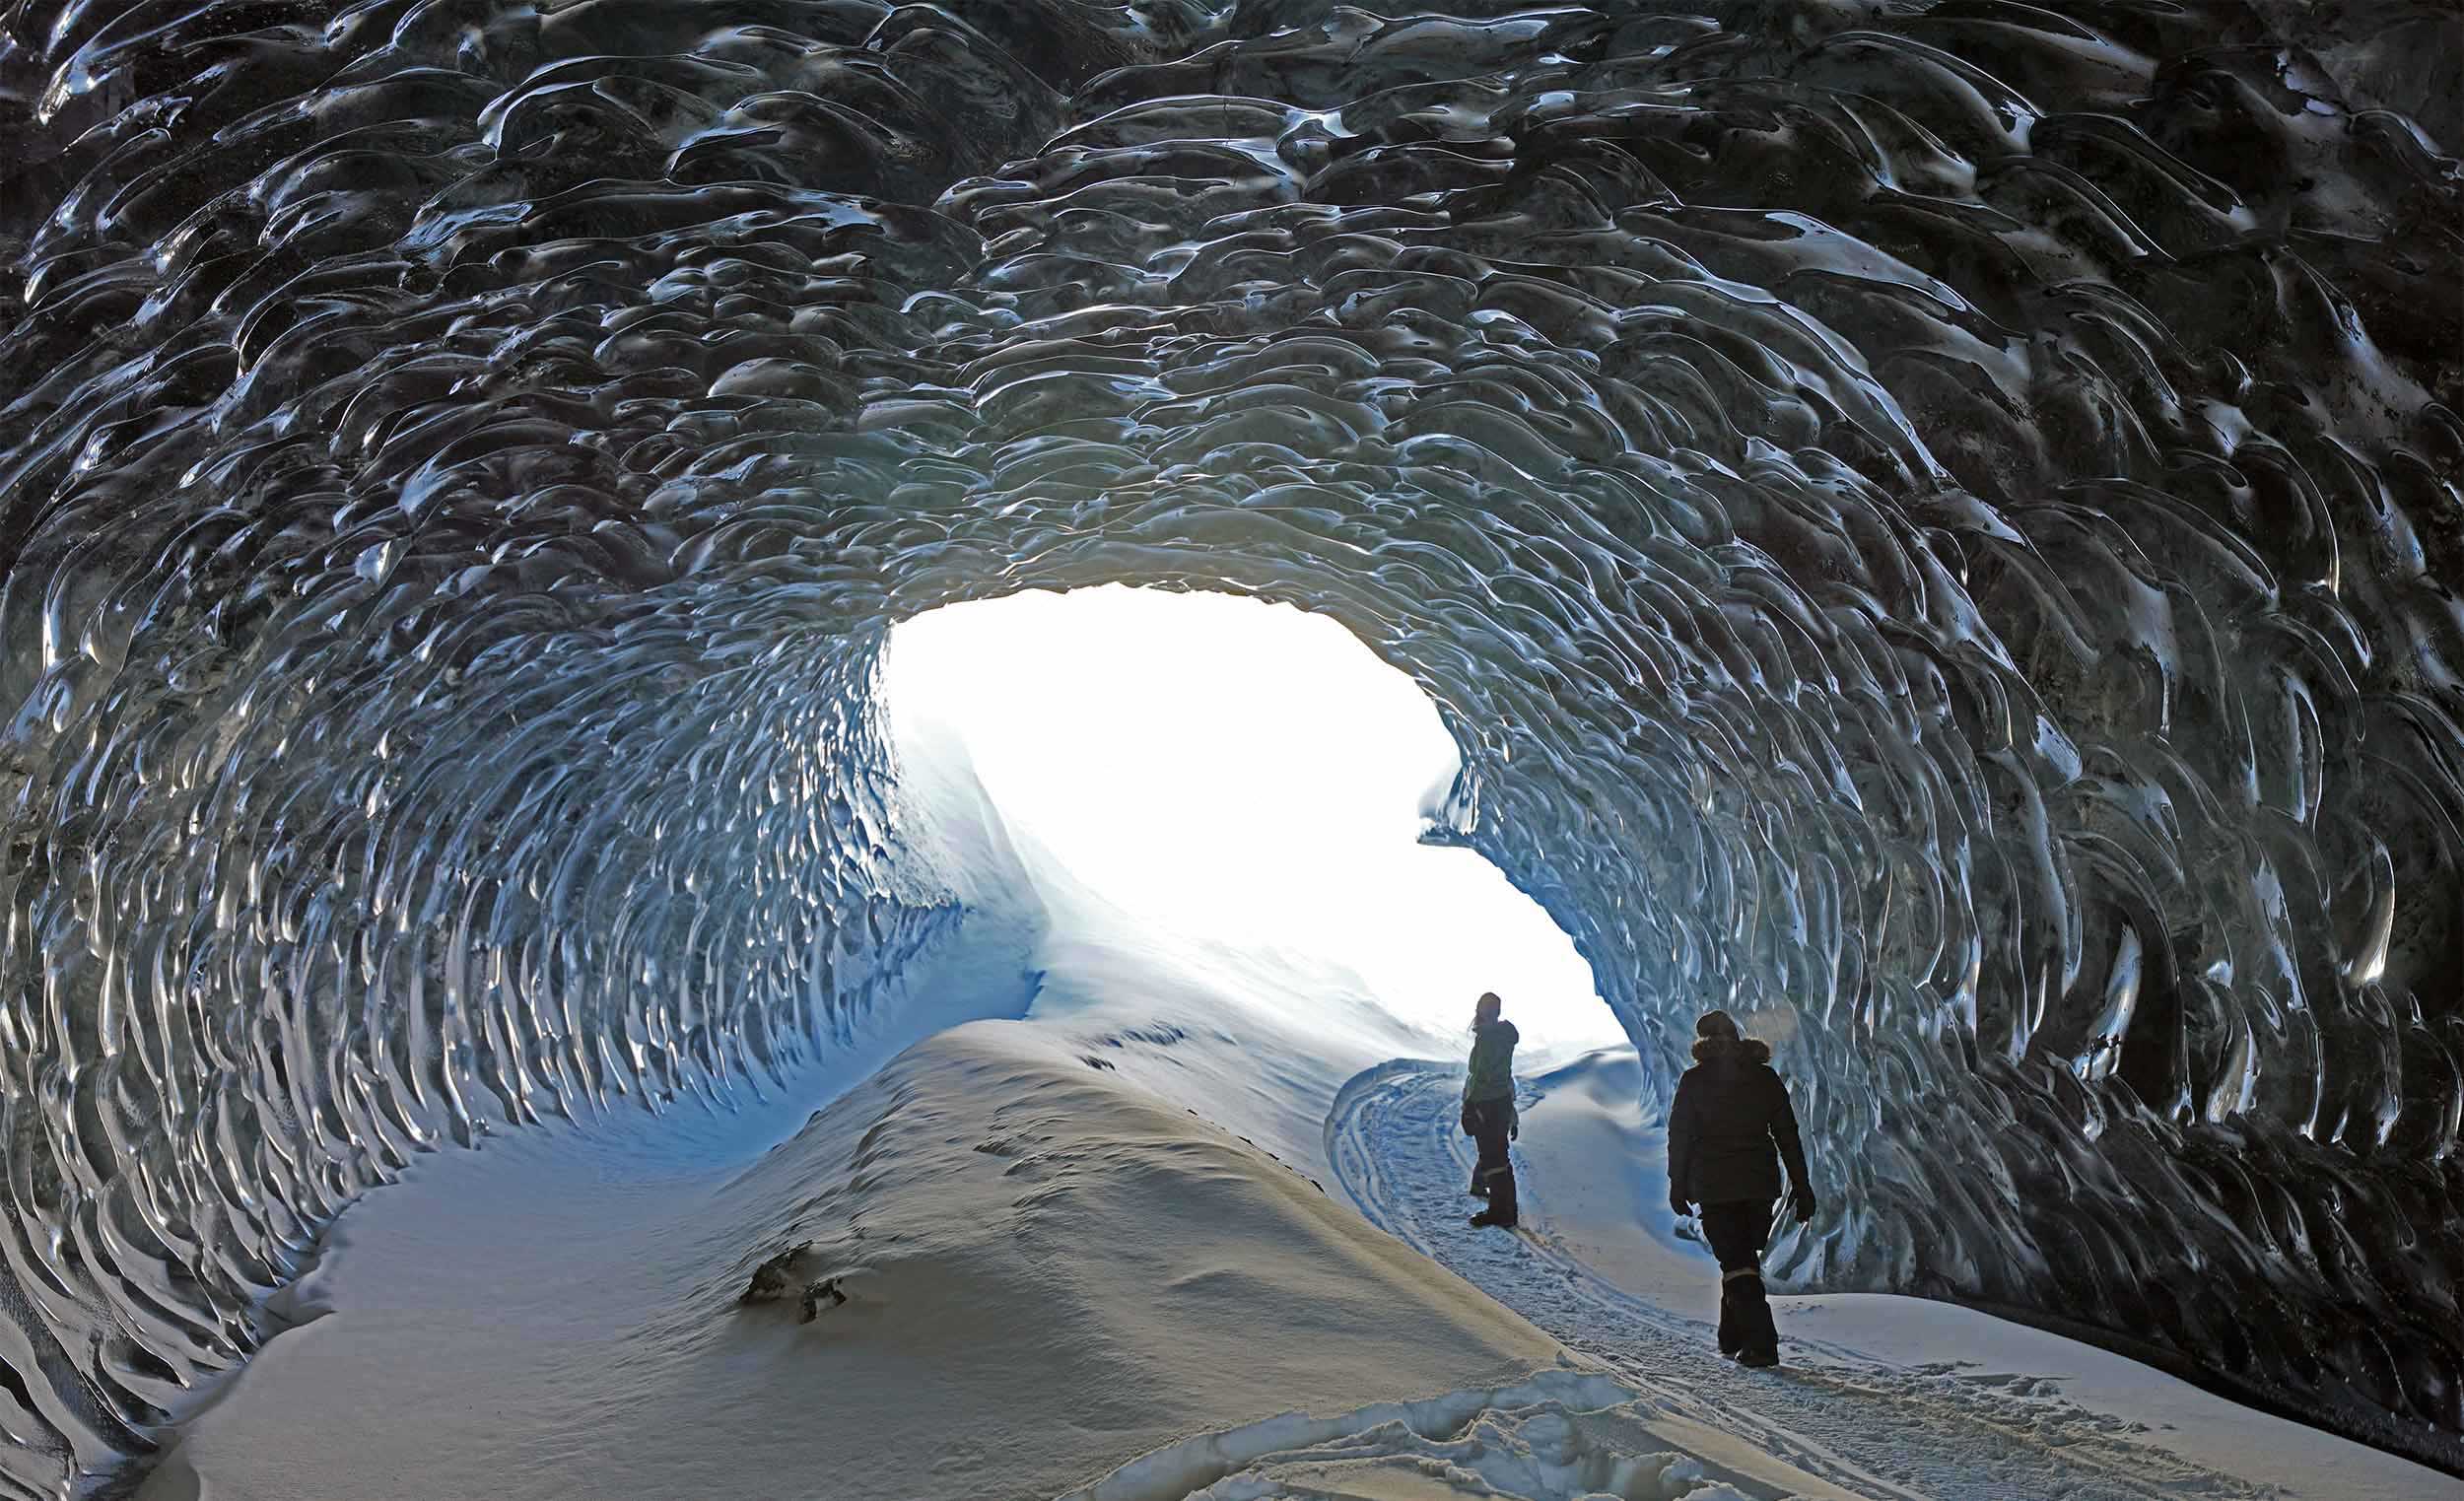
pixel 1052 1270
pixel 1049 1269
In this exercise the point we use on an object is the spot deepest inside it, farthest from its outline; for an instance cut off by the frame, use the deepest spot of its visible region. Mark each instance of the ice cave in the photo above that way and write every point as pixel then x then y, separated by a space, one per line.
pixel 1933 526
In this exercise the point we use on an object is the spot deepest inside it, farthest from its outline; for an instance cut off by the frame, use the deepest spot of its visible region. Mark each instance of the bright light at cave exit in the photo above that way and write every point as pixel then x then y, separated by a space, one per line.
pixel 1246 772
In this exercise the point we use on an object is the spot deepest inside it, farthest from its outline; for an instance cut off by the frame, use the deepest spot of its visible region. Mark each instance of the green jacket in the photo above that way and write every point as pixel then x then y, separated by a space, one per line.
pixel 1492 1064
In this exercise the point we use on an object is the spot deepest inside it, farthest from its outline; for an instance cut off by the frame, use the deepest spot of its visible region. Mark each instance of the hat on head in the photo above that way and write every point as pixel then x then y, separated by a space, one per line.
pixel 1716 1024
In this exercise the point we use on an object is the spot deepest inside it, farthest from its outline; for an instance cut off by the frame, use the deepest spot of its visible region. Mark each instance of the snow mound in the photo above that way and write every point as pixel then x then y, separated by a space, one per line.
pixel 994 1269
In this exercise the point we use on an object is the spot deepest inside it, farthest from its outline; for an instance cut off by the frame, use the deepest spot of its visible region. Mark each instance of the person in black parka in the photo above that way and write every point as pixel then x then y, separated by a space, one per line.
pixel 1729 1132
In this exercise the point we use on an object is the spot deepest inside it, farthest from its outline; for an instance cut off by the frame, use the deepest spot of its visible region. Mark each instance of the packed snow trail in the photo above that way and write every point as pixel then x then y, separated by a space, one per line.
pixel 1876 1428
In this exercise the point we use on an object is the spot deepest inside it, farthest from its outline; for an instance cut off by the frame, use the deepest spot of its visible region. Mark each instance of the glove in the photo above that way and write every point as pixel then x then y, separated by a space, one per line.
pixel 1677 1203
pixel 1514 1124
pixel 1467 1128
pixel 1803 1202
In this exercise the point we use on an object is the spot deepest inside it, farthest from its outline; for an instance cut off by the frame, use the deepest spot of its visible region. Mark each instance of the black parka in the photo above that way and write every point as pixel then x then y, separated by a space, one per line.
pixel 1730 1127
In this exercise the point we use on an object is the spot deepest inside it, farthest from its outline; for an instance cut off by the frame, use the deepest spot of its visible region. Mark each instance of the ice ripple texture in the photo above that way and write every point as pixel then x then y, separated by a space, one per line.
pixel 1935 527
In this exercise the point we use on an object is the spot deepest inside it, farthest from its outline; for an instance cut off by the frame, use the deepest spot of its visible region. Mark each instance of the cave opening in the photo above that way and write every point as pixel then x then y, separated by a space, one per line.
pixel 1205 767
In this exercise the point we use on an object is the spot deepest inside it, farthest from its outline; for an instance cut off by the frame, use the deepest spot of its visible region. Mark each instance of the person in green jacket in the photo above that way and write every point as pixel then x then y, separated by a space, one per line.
pixel 1489 1110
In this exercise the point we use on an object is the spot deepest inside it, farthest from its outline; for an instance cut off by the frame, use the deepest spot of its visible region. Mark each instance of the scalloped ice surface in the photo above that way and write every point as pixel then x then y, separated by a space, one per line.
pixel 1935 527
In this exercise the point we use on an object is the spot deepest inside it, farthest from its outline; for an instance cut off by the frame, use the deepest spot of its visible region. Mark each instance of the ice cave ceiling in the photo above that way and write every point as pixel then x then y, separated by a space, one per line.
pixel 1940 524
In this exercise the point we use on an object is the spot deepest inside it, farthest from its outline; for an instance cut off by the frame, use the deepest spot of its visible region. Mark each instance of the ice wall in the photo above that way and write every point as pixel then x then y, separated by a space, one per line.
pixel 1935 526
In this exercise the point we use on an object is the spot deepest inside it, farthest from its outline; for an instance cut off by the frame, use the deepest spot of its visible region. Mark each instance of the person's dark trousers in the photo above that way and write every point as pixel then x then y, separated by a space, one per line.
pixel 1488 1129
pixel 1736 1232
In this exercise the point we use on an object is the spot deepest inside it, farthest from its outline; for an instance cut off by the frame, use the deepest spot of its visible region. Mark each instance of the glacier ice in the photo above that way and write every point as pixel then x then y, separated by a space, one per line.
pixel 1933 526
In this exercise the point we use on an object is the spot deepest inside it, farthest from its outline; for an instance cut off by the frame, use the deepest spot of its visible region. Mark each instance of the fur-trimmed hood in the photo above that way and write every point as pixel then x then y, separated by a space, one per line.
pixel 1751 1050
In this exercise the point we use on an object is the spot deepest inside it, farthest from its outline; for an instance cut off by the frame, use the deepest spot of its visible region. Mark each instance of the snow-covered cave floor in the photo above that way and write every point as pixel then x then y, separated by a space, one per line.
pixel 1050 1268
pixel 1058 1262
pixel 1878 1396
